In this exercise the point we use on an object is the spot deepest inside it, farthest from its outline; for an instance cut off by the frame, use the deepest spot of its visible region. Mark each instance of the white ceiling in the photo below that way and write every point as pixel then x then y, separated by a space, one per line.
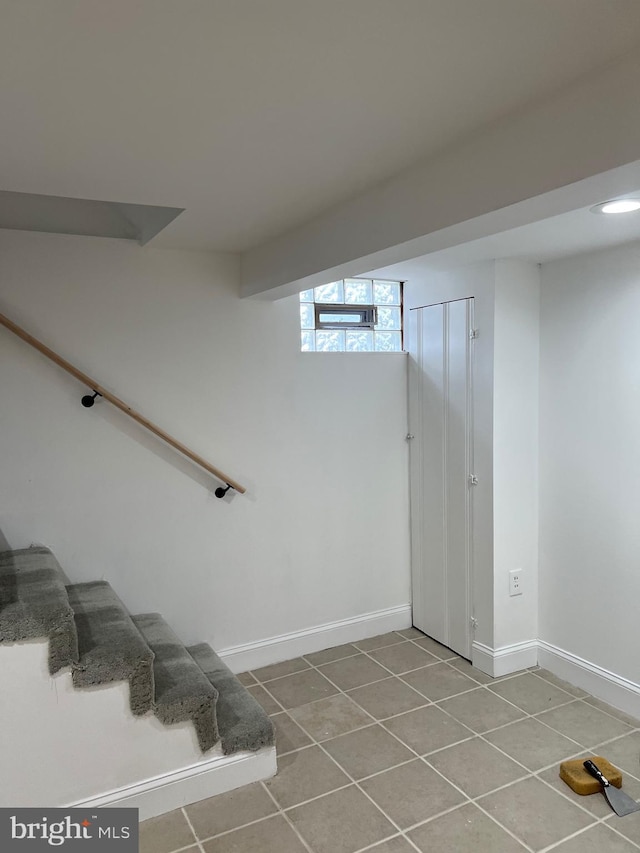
pixel 257 115
pixel 549 239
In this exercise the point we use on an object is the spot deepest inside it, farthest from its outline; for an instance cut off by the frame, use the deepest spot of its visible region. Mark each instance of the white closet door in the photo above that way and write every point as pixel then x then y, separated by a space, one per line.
pixel 440 409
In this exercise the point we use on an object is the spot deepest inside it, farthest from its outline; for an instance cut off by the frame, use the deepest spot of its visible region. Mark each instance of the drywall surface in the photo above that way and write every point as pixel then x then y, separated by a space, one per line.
pixel 318 440
pixel 531 164
pixel 590 458
pixel 477 281
pixel 515 452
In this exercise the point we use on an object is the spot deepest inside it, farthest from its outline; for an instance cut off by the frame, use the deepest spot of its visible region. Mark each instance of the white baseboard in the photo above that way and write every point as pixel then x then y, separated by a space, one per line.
pixel 288 646
pixel 601 683
pixel 505 659
pixel 189 785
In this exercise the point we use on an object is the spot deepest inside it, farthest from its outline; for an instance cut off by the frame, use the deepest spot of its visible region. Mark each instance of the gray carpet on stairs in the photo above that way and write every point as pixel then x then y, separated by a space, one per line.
pixel 90 630
pixel 183 692
pixel 109 644
pixel 34 603
pixel 242 722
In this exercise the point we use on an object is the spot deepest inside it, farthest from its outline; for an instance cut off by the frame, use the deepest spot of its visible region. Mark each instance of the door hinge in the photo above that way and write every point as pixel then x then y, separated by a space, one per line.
pixel 409 436
pixel 473 334
pixel 474 623
pixel 473 479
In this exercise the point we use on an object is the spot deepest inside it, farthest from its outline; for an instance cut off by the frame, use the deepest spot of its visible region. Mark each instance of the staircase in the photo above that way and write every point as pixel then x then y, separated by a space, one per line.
pixel 174 726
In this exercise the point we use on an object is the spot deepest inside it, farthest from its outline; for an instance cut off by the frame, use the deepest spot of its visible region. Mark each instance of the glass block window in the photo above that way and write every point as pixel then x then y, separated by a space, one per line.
pixel 370 319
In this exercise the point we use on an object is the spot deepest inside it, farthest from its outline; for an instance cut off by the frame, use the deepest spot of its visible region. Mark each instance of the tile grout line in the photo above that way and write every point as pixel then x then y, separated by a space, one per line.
pixel 547 681
pixel 612 827
pixel 574 701
pixel 316 743
pixel 577 834
pixel 365 793
pixel 429 703
pixel 474 800
pixel 367 653
pixel 422 758
pixel 278 812
pixel 182 849
pixel 403 834
pixel 559 841
pixel 488 686
pixel 467 798
pixel 370 798
pixel 571 699
pixel 288 819
pixel 355 782
pixel 195 835
pixel 626 722
pixel 535 773
pixel 526 715
pixel 484 812
pixel 400 676
pixel 584 699
pixel 357 651
pixel 371 848
pixel 377 681
pixel 578 805
pixel 389 672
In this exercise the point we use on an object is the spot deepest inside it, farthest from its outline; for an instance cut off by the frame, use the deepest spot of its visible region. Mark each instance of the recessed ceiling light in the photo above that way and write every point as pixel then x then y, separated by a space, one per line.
pixel 621 205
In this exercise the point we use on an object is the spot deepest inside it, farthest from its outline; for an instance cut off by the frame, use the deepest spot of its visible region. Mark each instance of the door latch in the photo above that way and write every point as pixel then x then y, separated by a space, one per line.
pixel 473 480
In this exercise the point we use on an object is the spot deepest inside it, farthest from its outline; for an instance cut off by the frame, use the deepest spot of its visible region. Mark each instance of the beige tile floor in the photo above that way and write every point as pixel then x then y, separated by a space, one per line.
pixel 395 745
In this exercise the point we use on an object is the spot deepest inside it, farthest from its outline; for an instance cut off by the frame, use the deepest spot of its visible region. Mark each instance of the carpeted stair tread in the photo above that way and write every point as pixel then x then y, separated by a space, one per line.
pixel 182 691
pixel 34 603
pixel 109 644
pixel 242 722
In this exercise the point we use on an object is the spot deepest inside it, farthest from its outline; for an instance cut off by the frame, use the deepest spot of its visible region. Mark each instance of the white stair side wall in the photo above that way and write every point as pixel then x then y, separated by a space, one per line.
pixel 66 745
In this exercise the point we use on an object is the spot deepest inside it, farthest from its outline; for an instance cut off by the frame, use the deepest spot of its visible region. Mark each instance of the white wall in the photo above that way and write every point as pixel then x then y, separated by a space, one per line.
pixel 515 455
pixel 322 533
pixel 590 458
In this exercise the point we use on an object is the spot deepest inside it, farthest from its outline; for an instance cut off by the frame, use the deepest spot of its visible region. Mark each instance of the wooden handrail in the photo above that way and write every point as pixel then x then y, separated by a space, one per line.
pixel 119 404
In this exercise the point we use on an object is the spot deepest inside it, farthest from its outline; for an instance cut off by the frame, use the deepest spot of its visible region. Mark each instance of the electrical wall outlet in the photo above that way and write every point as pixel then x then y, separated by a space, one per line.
pixel 515 582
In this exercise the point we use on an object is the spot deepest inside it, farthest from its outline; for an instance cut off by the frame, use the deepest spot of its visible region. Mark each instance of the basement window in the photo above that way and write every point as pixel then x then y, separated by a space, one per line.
pixel 352 315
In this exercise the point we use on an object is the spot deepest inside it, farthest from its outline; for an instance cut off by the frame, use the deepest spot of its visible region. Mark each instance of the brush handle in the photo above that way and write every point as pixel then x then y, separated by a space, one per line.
pixel 592 768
